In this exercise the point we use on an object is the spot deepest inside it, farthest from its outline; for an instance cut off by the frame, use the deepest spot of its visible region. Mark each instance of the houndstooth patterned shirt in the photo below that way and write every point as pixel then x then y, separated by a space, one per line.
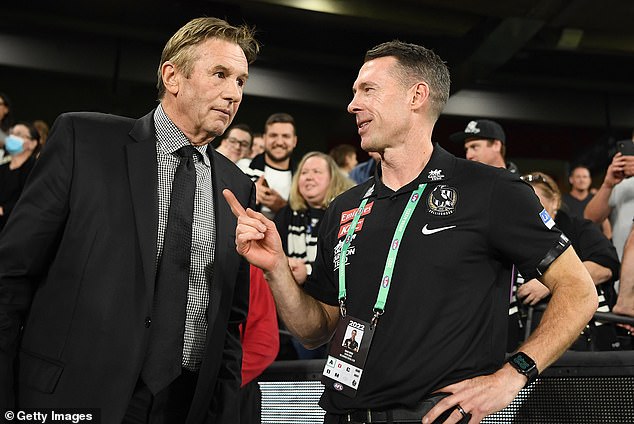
pixel 169 139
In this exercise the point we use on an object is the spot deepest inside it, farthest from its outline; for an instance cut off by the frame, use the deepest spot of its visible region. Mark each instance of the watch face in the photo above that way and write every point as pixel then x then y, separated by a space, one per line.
pixel 523 362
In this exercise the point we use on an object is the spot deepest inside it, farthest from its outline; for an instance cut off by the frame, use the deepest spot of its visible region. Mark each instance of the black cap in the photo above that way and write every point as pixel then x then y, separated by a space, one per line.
pixel 480 128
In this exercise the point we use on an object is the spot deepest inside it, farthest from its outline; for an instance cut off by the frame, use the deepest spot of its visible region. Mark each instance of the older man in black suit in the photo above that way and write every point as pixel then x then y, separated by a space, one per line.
pixel 120 286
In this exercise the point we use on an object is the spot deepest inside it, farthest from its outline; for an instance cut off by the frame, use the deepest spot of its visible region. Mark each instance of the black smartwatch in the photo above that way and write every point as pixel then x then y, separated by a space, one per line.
pixel 525 365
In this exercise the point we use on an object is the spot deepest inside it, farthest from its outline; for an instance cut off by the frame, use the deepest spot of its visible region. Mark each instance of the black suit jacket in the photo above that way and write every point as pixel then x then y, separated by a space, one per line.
pixel 77 272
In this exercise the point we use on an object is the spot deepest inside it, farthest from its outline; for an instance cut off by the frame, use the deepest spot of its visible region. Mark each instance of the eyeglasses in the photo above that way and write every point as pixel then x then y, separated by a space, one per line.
pixel 537 178
pixel 243 143
pixel 534 178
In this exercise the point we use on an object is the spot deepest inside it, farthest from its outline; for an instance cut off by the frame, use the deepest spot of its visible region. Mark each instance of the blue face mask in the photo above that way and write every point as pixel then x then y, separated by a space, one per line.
pixel 13 144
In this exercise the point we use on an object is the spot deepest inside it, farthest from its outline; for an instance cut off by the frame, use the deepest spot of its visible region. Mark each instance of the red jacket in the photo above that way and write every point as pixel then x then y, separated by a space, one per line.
pixel 260 337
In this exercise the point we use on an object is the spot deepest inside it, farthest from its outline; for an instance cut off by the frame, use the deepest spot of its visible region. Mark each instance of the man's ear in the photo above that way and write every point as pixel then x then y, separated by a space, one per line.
pixel 170 76
pixel 419 94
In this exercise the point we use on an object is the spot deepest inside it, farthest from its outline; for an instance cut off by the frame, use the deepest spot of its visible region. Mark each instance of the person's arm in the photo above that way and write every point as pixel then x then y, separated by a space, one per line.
pixel 299 268
pixel 598 209
pixel 573 301
pixel 532 291
pixel 595 251
pixel 599 273
pixel 311 321
pixel 625 301
pixel 606 229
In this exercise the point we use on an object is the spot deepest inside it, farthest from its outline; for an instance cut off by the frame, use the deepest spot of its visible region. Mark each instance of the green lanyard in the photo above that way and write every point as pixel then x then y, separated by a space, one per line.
pixel 384 286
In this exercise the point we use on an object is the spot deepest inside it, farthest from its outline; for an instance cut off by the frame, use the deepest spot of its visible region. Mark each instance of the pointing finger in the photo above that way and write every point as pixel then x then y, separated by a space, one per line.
pixel 235 206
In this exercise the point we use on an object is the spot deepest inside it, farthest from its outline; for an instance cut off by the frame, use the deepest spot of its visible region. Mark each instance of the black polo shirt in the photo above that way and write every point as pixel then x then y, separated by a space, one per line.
pixel 446 314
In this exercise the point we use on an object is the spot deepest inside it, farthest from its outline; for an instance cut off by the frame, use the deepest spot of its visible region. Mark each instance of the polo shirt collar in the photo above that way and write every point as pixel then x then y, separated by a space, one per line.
pixel 440 167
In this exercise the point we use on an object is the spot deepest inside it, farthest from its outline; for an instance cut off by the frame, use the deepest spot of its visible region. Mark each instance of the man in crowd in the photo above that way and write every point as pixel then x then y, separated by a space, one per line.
pixel 236 143
pixel 485 142
pixel 258 145
pixel 364 170
pixel 442 327
pixel 579 195
pixel 272 171
pixel 345 157
pixel 615 200
pixel 120 286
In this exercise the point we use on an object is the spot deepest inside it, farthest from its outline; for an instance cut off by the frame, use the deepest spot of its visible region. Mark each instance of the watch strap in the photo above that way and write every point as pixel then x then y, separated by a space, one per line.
pixel 525 365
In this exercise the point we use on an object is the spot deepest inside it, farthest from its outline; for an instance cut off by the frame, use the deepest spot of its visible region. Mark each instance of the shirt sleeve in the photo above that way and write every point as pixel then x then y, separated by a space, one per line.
pixel 595 247
pixel 521 229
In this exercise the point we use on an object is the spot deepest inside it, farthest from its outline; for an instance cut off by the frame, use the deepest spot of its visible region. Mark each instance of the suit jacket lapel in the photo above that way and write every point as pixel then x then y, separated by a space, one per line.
pixel 143 172
pixel 222 213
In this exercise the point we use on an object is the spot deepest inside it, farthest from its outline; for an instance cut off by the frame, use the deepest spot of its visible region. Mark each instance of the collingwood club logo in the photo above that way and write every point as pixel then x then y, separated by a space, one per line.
pixel 442 200
pixel 472 127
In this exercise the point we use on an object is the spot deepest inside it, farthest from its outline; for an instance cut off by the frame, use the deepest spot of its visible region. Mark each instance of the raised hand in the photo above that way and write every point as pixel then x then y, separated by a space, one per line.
pixel 257 238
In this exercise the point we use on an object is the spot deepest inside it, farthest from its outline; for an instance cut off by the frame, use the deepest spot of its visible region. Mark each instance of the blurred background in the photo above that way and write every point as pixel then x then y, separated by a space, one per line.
pixel 558 75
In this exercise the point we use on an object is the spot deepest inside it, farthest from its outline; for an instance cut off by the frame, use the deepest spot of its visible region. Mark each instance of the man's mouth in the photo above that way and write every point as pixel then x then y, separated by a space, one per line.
pixel 363 124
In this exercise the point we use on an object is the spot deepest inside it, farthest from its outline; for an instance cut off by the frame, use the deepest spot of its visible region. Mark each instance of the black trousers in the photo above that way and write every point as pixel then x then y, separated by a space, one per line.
pixel 170 405
pixel 250 403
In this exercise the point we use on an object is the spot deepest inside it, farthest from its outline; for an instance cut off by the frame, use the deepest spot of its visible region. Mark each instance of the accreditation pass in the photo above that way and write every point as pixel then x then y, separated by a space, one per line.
pixel 346 357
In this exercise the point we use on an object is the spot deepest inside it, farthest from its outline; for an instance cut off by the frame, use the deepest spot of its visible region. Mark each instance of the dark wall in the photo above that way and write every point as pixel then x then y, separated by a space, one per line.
pixel 44 95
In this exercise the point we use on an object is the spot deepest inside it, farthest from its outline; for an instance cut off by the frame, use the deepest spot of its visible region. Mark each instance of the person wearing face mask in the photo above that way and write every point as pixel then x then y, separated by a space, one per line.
pixel 21 145
pixel 315 184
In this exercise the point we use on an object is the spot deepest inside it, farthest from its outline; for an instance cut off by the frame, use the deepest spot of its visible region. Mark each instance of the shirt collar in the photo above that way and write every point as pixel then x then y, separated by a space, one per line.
pixel 170 138
pixel 440 167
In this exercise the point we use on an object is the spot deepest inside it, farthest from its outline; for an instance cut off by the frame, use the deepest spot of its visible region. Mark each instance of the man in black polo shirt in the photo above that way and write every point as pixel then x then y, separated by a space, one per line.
pixel 418 258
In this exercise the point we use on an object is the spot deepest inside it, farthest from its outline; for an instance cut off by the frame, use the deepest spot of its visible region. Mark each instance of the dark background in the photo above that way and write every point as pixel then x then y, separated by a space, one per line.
pixel 556 74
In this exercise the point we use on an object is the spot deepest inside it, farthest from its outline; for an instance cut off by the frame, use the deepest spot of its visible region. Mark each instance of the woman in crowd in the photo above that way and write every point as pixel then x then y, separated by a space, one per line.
pixel 315 184
pixel 22 145
pixel 596 252
pixel 6 120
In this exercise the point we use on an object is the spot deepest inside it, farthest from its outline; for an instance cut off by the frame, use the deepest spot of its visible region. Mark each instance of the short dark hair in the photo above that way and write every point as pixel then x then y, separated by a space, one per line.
pixel 280 117
pixel 33 132
pixel 243 127
pixel 575 167
pixel 340 152
pixel 418 63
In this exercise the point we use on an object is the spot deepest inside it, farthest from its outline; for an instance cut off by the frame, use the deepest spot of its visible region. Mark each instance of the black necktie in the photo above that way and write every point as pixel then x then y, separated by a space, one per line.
pixel 164 356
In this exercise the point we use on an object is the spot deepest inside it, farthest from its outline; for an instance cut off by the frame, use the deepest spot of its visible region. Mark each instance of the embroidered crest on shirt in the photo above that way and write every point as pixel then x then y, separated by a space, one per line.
pixel 435 175
pixel 442 200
